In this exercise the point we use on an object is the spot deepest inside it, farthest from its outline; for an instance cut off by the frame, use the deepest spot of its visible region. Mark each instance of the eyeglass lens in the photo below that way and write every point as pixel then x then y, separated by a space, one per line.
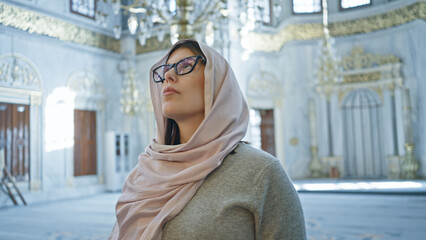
pixel 182 67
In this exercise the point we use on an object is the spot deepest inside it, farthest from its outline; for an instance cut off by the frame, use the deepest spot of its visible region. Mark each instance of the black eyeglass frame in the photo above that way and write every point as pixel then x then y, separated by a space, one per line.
pixel 174 65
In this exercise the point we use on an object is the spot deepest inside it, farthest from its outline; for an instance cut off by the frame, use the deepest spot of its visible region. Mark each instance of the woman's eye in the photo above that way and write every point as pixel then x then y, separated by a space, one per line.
pixel 165 69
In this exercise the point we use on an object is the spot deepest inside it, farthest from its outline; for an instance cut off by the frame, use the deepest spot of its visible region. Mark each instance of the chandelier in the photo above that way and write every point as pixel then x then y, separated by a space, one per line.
pixel 131 97
pixel 178 19
pixel 328 77
pixel 206 21
pixel 328 71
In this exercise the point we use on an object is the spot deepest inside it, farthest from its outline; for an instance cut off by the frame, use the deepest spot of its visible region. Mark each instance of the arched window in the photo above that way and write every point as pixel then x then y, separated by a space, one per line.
pixel 347 4
pixel 306 6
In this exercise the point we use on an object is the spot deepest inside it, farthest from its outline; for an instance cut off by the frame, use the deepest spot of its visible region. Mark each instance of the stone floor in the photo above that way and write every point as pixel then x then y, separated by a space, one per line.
pixel 84 218
pixel 329 216
pixel 342 216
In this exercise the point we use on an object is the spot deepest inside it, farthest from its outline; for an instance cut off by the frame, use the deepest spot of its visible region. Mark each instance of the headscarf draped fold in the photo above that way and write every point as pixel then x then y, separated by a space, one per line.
pixel 167 176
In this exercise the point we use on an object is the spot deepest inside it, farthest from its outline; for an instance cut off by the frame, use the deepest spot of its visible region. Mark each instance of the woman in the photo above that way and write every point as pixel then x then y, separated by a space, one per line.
pixel 196 180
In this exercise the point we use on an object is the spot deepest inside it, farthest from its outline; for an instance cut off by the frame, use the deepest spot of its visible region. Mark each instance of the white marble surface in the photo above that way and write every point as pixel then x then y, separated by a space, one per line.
pixel 327 216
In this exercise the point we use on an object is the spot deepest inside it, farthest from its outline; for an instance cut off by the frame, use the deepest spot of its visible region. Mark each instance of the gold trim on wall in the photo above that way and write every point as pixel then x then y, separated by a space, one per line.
pixel 362 77
pixel 358 59
pixel 33 22
pixel 274 42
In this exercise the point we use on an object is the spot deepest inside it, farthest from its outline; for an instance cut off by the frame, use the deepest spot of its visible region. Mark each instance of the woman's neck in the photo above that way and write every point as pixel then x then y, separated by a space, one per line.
pixel 188 127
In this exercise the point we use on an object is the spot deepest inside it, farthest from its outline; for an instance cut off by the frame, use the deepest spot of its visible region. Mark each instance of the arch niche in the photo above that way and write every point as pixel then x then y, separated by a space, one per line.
pixel 264 92
pixel 21 83
pixel 89 95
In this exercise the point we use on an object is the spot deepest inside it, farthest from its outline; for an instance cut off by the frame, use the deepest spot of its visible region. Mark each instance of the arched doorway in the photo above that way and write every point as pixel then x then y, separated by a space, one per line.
pixel 20 107
pixel 363 150
pixel 262 127
pixel 264 97
pixel 88 115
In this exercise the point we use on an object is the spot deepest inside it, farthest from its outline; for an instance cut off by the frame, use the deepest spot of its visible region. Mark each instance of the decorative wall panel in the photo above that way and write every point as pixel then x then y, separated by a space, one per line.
pixel 33 22
pixel 18 72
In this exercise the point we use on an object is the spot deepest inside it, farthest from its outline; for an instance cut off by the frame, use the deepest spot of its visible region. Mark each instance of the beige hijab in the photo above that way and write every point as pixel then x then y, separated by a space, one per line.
pixel 167 176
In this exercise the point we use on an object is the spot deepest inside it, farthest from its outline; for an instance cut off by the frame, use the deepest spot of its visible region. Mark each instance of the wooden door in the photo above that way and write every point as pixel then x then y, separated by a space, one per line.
pixel 6 133
pixel 15 139
pixel 267 131
pixel 84 142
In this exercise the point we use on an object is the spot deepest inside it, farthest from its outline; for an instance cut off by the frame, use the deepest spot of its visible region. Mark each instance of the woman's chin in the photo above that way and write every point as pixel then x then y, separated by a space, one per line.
pixel 169 110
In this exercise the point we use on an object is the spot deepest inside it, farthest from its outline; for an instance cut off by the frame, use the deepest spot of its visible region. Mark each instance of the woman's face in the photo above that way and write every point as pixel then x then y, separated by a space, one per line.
pixel 183 95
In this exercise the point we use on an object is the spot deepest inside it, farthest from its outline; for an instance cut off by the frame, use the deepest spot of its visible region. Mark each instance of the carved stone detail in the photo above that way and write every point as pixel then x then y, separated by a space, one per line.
pixel 264 84
pixel 358 59
pixel 18 72
pixel 365 70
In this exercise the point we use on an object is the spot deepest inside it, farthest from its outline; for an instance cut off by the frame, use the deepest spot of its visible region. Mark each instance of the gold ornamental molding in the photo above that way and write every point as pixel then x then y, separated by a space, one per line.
pixel 362 77
pixel 33 22
pixel 358 59
pixel 274 42
pixel 365 70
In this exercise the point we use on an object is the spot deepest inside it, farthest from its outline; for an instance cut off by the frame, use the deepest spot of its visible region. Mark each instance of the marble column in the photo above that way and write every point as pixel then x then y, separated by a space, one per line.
pixel 394 124
pixel 315 165
pixel 409 165
pixel 35 143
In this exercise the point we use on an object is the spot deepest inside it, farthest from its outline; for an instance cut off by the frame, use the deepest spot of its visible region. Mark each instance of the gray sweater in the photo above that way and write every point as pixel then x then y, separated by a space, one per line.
pixel 248 197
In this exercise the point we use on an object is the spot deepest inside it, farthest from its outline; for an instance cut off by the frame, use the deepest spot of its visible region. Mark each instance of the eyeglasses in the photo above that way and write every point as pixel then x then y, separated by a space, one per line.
pixel 184 66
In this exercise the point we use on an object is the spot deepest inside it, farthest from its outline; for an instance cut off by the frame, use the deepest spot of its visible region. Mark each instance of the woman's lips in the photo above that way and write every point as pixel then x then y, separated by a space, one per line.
pixel 169 90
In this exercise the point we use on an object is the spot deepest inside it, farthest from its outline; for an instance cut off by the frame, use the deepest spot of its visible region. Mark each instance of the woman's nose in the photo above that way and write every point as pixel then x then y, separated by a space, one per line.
pixel 170 75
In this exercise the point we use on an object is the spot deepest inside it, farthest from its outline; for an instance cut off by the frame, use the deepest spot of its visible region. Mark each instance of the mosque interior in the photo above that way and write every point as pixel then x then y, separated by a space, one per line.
pixel 335 87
